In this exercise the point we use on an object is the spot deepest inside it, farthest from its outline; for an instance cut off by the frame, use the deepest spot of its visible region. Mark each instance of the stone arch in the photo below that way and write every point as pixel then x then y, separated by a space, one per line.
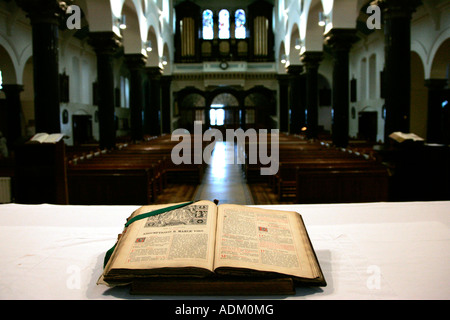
pixel 281 52
pixel 7 66
pixel 440 62
pixel 231 100
pixel 260 95
pixel 344 14
pixel 313 38
pixel 293 52
pixel 226 95
pixel 191 103
pixel 263 101
pixel 99 22
pixel 419 48
pixel 22 59
pixel 132 39
pixel 191 97
pixel 438 129
pixel 152 56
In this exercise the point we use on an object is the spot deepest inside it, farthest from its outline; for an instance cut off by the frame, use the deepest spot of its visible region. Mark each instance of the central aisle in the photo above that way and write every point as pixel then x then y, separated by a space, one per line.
pixel 222 180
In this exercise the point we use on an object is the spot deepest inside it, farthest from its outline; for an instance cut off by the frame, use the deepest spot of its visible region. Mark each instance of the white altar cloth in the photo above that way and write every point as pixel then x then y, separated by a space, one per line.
pixel 366 251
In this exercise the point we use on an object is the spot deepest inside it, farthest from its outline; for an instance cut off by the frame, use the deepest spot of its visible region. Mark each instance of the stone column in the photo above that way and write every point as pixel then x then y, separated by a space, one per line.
pixel 166 103
pixel 105 45
pixel 152 109
pixel 437 121
pixel 45 17
pixel 311 61
pixel 136 65
pixel 340 42
pixel 283 85
pixel 242 111
pixel 397 54
pixel 13 109
pixel 296 99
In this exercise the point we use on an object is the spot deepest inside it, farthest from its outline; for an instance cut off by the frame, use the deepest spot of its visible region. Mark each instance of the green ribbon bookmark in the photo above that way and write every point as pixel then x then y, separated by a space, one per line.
pixel 108 255
pixel 143 216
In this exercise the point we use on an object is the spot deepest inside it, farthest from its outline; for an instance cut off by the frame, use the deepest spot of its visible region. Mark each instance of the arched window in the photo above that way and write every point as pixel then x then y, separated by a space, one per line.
pixel 208 25
pixel 372 76
pixel 75 83
pixel 363 76
pixel 125 92
pixel 224 24
pixel 239 22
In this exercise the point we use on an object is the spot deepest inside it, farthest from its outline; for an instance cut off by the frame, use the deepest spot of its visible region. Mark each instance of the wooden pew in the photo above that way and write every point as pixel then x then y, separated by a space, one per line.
pixel 110 187
pixel 130 174
pixel 289 147
pixel 285 182
pixel 87 180
pixel 176 173
pixel 342 185
pixel 109 163
pixel 350 174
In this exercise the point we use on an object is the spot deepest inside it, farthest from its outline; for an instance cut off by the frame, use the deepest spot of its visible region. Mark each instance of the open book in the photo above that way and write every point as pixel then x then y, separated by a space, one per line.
pixel 202 240
pixel 46 138
pixel 401 136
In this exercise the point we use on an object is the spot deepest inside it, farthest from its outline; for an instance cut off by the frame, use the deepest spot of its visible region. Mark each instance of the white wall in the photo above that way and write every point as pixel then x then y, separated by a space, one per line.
pixel 368 97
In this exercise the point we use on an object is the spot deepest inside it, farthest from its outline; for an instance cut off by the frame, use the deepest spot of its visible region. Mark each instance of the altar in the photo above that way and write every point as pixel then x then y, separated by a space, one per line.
pixel 398 250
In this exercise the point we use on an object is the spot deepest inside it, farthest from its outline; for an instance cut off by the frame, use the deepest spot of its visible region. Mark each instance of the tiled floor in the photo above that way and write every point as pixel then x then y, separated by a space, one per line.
pixel 223 179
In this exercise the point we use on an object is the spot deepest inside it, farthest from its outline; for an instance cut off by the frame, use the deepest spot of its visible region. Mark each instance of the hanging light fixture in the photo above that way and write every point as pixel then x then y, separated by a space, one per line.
pixel 323 19
pixel 122 21
pixel 283 59
pixel 298 44
pixel 148 46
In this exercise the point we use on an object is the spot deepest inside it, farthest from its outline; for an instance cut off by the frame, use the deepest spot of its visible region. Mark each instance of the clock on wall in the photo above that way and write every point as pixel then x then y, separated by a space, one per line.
pixel 223 65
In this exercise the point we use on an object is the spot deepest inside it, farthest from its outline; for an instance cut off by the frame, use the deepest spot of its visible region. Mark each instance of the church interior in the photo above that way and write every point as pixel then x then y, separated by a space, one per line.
pixel 116 78
pixel 324 123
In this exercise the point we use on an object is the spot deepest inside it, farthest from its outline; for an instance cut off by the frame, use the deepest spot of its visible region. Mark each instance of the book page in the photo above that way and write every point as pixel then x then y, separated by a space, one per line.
pixel 264 240
pixel 47 138
pixel 179 238
pixel 401 136
pixel 54 137
pixel 39 137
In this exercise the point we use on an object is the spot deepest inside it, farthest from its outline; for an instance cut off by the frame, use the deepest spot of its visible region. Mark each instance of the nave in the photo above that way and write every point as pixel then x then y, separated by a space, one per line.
pixel 221 181
pixel 308 171
pixel 145 173
pixel 223 178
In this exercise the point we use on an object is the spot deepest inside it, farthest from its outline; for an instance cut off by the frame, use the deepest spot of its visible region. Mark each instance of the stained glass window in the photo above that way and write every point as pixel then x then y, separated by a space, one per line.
pixel 224 24
pixel 239 21
pixel 208 25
